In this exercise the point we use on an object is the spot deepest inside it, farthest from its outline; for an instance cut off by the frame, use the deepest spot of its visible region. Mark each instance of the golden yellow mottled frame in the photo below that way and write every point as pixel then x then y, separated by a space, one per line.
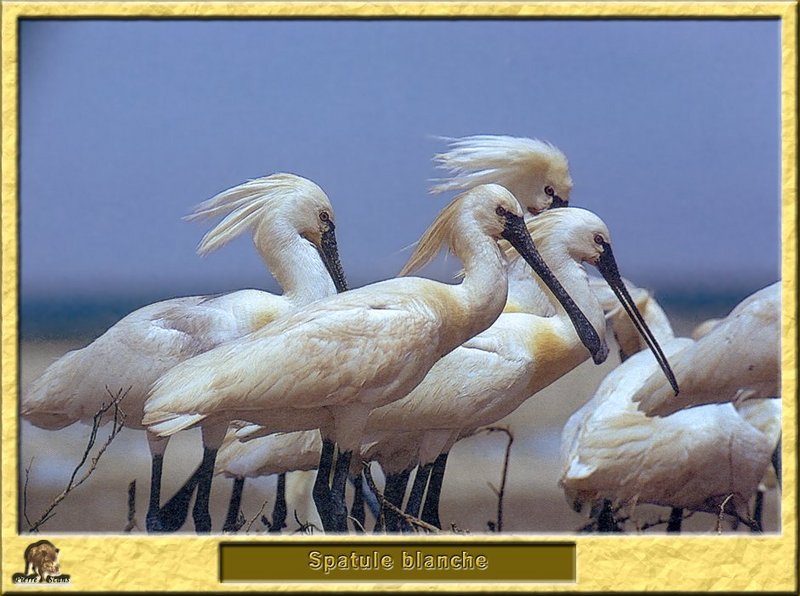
pixel 630 563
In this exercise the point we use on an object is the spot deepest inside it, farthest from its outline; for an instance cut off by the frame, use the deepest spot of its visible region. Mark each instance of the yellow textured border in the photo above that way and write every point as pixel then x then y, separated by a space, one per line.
pixel 122 563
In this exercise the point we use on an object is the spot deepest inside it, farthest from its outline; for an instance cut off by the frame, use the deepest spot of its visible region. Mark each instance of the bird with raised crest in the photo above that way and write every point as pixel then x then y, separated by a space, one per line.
pixel 292 223
pixel 333 362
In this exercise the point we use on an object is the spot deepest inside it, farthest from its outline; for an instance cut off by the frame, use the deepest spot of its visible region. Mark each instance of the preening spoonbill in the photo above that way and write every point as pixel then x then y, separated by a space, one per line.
pixel 493 373
pixel 738 359
pixel 289 452
pixel 536 172
pixel 693 459
pixel 329 364
pixel 291 220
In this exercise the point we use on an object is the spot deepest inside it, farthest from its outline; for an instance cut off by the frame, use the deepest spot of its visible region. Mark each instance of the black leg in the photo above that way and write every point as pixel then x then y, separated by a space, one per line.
pixel 758 513
pixel 340 475
pixel 173 514
pixel 322 491
pixel 232 521
pixel 279 511
pixel 200 513
pixel 370 499
pixel 394 492
pixel 776 461
pixel 675 520
pixel 152 521
pixel 605 519
pixel 418 489
pixel 357 511
pixel 430 512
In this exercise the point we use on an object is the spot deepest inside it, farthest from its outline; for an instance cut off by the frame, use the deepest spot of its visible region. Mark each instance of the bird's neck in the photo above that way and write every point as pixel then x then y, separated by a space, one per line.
pixel 482 294
pixel 575 280
pixel 294 262
pixel 524 294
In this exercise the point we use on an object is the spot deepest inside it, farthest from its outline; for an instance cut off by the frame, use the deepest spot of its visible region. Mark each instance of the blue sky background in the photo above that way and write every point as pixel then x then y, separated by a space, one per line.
pixel 671 129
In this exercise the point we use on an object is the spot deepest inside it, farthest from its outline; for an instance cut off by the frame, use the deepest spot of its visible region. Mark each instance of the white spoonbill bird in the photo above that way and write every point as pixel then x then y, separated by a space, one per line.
pixel 693 459
pixel 536 172
pixel 493 373
pixel 329 364
pixel 288 452
pixel 738 359
pixel 292 223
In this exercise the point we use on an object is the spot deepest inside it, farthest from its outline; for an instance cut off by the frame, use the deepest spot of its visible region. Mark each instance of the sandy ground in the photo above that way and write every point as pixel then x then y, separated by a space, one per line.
pixel 533 502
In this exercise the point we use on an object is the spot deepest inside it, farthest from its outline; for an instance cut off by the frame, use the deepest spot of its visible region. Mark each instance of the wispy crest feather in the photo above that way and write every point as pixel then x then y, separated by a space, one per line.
pixel 479 159
pixel 244 205
pixel 438 235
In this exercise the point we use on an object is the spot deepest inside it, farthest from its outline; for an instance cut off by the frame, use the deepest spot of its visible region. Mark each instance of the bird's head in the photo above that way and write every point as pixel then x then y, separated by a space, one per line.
pixel 586 238
pixel 536 172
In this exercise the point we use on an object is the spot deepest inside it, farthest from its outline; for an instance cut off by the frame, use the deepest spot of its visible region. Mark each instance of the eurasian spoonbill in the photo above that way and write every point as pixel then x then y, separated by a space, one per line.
pixel 694 459
pixel 493 373
pixel 332 362
pixel 292 223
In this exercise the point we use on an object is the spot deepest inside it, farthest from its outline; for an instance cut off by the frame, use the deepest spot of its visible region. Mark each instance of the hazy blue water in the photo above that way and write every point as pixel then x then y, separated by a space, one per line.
pixel 43 317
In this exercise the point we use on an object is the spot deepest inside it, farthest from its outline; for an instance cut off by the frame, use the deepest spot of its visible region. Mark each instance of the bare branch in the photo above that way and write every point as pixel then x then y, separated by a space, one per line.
pixel 722 513
pixel 118 423
pixel 415 521
pixel 257 516
pixel 498 526
pixel 25 494
pixel 305 527
pixel 357 524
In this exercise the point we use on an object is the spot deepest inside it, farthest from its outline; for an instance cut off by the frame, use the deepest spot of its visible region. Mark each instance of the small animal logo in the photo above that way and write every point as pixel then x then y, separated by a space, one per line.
pixel 41 565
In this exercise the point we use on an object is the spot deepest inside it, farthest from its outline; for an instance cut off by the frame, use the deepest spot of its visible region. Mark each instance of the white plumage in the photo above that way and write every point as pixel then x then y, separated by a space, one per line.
pixel 368 346
pixel 283 212
pixel 149 341
pixel 346 355
pixel 736 360
pixel 493 373
pixel 277 453
pixel 526 167
pixel 693 459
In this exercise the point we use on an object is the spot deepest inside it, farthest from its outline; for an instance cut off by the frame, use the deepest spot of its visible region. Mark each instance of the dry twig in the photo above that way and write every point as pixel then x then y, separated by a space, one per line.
pixel 357 524
pixel 118 422
pixel 25 494
pixel 257 516
pixel 498 526
pixel 415 521
pixel 305 527
pixel 722 513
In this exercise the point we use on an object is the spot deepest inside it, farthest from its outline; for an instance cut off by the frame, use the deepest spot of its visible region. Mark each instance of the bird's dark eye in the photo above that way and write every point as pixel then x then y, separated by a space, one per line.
pixel 548 190
pixel 500 210
pixel 598 239
pixel 324 216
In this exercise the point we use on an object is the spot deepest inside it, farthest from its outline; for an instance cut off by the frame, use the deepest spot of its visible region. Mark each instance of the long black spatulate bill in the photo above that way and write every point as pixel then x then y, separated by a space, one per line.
pixel 607 266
